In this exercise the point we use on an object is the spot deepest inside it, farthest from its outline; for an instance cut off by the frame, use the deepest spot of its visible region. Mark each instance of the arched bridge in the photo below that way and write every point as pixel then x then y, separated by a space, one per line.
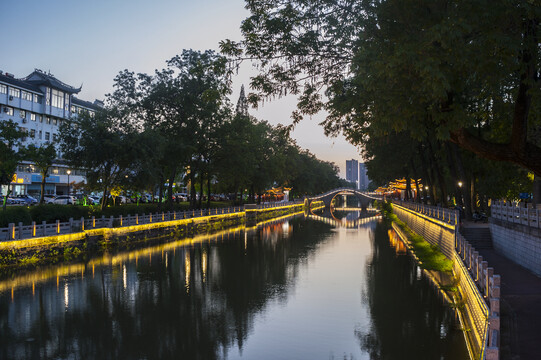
pixel 327 198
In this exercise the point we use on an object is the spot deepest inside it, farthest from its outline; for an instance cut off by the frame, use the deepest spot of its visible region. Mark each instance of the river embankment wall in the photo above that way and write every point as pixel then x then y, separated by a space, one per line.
pixel 476 283
pixel 26 246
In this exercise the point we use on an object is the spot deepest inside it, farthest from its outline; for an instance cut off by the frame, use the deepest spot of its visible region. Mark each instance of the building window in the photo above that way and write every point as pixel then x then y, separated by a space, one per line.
pixel 37 99
pixel 24 131
pixel 40 118
pixel 3 89
pixel 67 102
pixel 48 120
pixel 55 122
pixel 47 136
pixel 39 135
pixel 32 133
pixel 54 137
pixel 14 92
pixel 26 95
pixel 32 116
pixel 47 96
pixel 22 114
pixel 57 99
pixel 8 110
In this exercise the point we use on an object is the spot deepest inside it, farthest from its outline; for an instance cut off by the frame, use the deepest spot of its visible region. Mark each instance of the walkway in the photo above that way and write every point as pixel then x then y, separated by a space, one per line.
pixel 520 305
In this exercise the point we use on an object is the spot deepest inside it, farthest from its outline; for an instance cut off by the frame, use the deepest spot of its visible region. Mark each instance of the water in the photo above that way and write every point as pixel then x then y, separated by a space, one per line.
pixel 298 289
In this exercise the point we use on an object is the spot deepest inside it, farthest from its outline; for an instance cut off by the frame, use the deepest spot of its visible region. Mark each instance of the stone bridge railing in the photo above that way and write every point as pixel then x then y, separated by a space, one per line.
pixel 510 211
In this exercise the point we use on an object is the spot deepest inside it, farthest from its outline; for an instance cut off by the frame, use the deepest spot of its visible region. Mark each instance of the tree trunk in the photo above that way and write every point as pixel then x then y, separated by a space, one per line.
pixel 454 174
pixel 208 191
pixel 536 191
pixel 170 188
pixel 201 186
pixel 6 198
pixel 192 188
pixel 426 176
pixel 42 187
pixel 408 188
pixel 104 197
pixel 465 189
pixel 439 175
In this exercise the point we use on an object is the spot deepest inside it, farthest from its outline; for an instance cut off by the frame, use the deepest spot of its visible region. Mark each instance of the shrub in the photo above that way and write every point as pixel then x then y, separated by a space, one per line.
pixel 15 214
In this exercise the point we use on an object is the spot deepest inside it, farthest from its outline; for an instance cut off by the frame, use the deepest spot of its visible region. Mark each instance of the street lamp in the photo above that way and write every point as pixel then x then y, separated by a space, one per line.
pixel 69 172
pixel 460 184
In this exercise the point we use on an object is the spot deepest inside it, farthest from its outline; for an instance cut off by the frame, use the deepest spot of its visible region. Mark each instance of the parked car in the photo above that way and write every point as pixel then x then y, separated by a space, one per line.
pixel 8 200
pixel 27 199
pixel 65 200
pixel 93 200
pixel 16 201
pixel 180 197
pixel 49 198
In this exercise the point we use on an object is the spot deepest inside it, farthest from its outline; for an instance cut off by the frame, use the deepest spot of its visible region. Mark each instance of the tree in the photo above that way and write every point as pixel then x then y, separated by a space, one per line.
pixel 96 145
pixel 453 68
pixel 42 157
pixel 10 138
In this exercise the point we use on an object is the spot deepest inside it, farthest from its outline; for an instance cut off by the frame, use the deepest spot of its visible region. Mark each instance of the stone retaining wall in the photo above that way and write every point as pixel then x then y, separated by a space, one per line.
pixel 435 231
pixel 520 243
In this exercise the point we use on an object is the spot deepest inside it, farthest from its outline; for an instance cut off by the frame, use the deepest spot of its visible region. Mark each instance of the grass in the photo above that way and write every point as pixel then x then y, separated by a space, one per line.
pixel 430 256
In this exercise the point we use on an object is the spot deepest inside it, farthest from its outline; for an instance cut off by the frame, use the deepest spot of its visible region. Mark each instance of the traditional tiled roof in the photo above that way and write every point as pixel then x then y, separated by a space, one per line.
pixel 83 103
pixel 19 83
pixel 39 77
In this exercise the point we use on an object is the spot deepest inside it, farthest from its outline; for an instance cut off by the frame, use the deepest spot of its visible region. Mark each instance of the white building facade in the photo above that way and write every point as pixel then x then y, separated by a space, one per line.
pixel 38 104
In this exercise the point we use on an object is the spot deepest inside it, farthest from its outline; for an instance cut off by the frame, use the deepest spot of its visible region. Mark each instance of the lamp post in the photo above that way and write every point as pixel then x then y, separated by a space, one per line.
pixel 68 172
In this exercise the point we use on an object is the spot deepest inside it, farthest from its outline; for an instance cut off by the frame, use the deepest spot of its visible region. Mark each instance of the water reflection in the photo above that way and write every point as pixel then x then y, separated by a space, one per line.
pixel 409 318
pixel 229 296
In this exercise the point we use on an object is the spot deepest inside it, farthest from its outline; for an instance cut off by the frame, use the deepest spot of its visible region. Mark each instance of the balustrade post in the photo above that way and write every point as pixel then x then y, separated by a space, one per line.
pixel 483 274
pixel 11 235
pixel 121 220
pixel 33 229
pixel 20 234
pixel 489 274
pixel 473 269
pixel 163 216
pixel 93 222
pixel 467 254
pixel 71 225
pixel 58 226
pixel 82 224
pixel 136 219
pixel 44 228
pixel 478 274
pixel 103 221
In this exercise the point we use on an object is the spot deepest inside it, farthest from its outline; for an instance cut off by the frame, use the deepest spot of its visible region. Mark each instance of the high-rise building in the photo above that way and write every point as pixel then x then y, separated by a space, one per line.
pixel 352 171
pixel 363 178
pixel 38 104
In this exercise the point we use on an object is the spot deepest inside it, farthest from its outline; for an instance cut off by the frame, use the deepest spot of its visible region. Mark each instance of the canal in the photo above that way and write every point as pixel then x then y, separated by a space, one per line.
pixel 299 288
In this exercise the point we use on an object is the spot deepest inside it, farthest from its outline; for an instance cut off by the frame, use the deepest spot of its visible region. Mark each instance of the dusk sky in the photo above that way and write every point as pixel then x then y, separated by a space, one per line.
pixel 89 42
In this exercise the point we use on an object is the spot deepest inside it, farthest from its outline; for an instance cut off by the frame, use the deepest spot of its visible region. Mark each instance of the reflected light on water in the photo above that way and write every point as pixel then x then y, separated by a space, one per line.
pixel 204 264
pixel 187 270
pixel 124 276
pixel 66 295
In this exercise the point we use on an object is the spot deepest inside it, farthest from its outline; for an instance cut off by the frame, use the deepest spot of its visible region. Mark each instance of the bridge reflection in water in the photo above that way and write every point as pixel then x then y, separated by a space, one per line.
pixel 354 217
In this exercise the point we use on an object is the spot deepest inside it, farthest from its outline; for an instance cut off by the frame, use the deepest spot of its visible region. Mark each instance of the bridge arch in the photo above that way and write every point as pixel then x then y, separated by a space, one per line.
pixel 364 197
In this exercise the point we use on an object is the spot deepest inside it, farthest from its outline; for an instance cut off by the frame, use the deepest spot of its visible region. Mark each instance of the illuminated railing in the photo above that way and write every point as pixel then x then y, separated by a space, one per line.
pixel 479 286
pixel 450 216
pixel 510 211
pixel 371 195
pixel 20 231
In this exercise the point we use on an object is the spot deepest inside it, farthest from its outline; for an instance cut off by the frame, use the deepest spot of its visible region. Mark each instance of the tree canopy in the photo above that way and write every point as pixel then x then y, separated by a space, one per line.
pixel 465 71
